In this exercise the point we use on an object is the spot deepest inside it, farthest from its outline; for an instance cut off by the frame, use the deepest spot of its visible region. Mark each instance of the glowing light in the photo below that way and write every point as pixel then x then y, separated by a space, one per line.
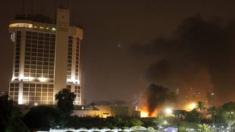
pixel 13 37
pixel 31 78
pixel 53 29
pixel 191 106
pixel 20 97
pixel 73 80
pixel 21 25
pixel 168 111
pixel 13 78
pixel 144 114
pixel 165 122
pixel 105 115
pixel 35 104
pixel 41 27
pixel 20 100
pixel 23 78
pixel 42 79
pixel 30 26
pixel 83 108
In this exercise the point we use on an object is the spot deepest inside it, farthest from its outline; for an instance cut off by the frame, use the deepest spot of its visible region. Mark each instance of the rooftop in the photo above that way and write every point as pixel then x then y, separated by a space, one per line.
pixel 36 18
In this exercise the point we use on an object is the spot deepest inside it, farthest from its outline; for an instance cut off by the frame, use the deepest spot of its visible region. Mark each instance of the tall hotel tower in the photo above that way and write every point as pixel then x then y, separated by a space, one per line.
pixel 46 59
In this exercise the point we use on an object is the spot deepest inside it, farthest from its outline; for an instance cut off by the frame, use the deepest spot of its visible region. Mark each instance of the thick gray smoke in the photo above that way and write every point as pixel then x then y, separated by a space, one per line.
pixel 157 95
pixel 199 54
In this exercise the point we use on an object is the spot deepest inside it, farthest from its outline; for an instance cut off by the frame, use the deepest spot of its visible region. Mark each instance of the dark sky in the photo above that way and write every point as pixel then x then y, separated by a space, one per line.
pixel 111 71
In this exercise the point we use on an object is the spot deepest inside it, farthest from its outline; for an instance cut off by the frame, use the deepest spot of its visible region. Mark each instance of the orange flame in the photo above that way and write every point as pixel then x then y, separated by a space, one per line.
pixel 145 113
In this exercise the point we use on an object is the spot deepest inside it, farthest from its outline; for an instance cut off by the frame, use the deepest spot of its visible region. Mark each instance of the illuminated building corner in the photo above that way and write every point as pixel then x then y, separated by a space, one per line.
pixel 46 59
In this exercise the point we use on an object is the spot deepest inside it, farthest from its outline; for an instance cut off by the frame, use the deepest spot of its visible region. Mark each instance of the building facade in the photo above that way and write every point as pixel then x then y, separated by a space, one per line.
pixel 46 59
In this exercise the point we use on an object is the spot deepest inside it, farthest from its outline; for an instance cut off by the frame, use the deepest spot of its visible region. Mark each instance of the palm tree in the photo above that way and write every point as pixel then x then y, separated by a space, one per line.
pixel 201 106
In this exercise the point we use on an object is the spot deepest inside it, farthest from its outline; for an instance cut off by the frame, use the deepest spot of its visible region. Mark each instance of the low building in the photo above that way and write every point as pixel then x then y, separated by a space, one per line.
pixel 104 110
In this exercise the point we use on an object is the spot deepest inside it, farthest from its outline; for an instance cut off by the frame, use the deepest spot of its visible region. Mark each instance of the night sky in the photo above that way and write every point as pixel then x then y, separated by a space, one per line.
pixel 121 38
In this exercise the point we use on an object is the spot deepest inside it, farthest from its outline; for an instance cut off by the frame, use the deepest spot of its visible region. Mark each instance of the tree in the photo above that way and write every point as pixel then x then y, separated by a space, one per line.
pixel 180 114
pixel 135 122
pixel 184 126
pixel 10 116
pixel 41 117
pixel 201 106
pixel 226 114
pixel 149 122
pixel 204 128
pixel 65 100
pixel 213 111
pixel 230 106
pixel 193 116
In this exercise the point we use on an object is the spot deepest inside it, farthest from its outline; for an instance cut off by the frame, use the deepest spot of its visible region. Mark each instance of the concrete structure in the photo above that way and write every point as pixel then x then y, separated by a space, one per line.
pixel 46 58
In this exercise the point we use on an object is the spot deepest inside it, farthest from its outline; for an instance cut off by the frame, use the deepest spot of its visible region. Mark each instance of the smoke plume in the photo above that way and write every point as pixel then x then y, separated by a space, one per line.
pixel 157 95
pixel 200 54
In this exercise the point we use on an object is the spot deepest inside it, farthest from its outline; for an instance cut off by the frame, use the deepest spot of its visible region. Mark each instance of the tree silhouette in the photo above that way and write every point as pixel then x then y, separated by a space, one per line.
pixel 41 117
pixel 201 106
pixel 10 116
pixel 65 100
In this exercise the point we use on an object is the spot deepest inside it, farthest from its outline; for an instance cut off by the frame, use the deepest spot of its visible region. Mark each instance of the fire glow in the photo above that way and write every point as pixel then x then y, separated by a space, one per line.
pixel 144 113
pixel 190 106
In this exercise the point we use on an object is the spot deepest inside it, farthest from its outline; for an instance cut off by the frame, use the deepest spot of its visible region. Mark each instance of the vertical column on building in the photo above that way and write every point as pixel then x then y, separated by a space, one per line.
pixel 14 40
pixel 21 67
pixel 76 88
pixel 78 73
pixel 62 27
pixel 73 76
pixel 73 66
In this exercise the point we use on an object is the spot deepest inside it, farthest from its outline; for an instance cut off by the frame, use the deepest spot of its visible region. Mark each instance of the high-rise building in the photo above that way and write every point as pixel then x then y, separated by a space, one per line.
pixel 46 58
